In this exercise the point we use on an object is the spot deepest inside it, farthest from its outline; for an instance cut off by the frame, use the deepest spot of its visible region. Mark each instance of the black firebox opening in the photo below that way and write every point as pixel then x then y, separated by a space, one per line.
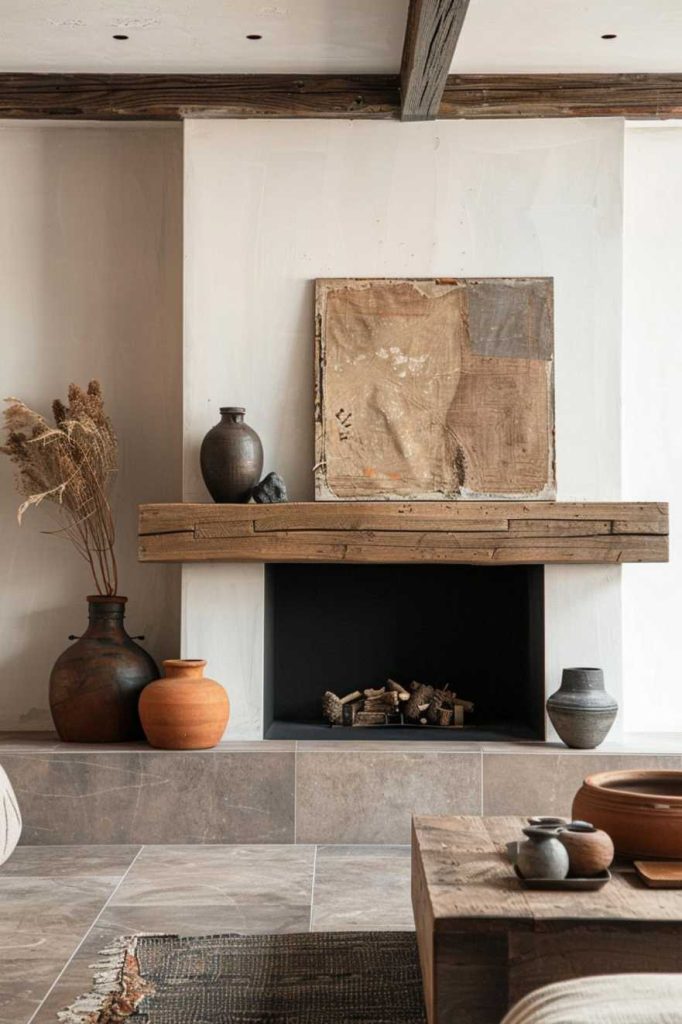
pixel 479 629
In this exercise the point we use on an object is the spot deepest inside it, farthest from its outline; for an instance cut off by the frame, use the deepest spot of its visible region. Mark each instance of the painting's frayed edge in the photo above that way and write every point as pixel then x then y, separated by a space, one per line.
pixel 117 989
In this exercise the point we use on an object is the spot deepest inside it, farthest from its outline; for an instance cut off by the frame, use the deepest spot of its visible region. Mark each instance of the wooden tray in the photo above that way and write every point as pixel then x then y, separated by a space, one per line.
pixel 568 884
pixel 660 874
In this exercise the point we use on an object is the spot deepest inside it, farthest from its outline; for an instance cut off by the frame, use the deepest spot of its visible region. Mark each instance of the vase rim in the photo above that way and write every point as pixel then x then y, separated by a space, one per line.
pixel 106 599
pixel 582 668
pixel 187 662
pixel 227 409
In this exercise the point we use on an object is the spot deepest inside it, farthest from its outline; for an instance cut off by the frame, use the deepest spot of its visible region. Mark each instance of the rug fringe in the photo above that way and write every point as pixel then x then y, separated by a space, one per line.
pixel 117 987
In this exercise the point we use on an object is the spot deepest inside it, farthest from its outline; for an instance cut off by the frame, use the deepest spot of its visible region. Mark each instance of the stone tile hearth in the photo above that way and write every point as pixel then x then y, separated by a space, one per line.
pixel 293 791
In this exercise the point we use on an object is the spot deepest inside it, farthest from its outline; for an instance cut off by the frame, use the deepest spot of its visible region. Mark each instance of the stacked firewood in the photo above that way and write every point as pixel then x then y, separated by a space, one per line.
pixel 393 704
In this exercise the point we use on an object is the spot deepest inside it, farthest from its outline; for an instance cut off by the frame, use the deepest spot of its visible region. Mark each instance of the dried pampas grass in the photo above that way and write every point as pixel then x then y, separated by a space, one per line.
pixel 72 465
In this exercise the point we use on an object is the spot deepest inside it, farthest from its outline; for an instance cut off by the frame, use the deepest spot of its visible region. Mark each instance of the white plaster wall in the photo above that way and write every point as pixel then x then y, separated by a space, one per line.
pixel 652 423
pixel 271 205
pixel 90 286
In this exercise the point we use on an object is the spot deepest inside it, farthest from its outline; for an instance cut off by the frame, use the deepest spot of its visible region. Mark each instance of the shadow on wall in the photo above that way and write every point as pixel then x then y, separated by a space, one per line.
pixel 91 287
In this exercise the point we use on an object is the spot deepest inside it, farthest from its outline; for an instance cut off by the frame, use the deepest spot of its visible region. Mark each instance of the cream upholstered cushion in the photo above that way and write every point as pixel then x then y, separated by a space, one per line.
pixel 10 818
pixel 605 999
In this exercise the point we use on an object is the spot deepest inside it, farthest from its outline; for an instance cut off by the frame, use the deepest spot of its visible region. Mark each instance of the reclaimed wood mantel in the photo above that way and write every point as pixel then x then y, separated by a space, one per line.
pixel 464 532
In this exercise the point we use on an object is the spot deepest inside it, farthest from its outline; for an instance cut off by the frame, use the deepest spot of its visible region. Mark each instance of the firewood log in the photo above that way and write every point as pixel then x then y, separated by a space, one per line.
pixel 374 693
pixel 384 702
pixel 445 716
pixel 355 695
pixel 420 696
pixel 466 705
pixel 403 694
pixel 332 708
pixel 369 718
pixel 434 709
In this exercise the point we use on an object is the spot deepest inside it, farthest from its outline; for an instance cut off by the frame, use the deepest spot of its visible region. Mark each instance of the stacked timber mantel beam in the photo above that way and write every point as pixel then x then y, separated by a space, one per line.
pixel 369 97
pixel 464 532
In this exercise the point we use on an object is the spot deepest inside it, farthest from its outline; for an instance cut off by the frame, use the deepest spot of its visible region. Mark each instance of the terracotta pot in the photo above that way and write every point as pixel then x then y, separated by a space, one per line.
pixel 96 683
pixel 184 711
pixel 231 458
pixel 590 849
pixel 640 810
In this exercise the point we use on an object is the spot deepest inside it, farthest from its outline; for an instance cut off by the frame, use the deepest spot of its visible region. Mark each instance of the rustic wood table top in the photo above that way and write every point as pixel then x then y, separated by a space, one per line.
pixel 470 883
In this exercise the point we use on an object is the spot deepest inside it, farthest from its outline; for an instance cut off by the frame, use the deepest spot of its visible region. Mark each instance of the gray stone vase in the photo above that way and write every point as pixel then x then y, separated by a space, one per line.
pixel 581 710
pixel 542 855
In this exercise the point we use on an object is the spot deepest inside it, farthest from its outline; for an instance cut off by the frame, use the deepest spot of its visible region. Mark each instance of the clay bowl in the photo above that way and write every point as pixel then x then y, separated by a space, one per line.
pixel 641 811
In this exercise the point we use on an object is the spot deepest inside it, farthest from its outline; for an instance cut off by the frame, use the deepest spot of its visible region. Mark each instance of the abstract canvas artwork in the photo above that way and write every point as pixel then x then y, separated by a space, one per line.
pixel 434 388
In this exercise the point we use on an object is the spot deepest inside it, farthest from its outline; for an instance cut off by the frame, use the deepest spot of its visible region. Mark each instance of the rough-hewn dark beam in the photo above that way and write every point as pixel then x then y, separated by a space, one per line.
pixel 173 97
pixel 634 96
pixel 433 28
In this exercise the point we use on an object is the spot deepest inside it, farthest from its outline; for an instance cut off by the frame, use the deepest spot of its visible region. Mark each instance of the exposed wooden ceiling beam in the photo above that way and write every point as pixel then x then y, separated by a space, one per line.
pixel 174 97
pixel 433 28
pixel 635 96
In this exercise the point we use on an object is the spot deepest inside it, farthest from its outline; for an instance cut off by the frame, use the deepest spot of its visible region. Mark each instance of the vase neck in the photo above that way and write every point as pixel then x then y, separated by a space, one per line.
pixel 106 615
pixel 184 668
pixel 232 414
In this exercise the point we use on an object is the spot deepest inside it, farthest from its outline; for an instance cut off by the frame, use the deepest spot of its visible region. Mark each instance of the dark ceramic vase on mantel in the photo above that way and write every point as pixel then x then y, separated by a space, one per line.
pixel 231 458
pixel 96 683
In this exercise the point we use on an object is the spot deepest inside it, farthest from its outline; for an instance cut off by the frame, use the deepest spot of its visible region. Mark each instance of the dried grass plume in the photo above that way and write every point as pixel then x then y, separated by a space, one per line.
pixel 72 465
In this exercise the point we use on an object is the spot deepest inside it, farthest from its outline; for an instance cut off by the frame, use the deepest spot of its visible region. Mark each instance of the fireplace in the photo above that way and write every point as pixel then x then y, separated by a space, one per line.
pixel 477 629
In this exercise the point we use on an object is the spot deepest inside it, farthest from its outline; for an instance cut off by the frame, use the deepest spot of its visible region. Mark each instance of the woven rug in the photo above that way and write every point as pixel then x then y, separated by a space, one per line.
pixel 319 978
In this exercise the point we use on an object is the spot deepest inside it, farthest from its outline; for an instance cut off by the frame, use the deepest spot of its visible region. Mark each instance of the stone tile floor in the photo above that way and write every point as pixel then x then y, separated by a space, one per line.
pixel 60 905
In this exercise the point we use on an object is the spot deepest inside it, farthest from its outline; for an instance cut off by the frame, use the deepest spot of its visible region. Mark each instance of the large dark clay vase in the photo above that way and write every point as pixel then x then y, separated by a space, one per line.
pixel 96 683
pixel 231 458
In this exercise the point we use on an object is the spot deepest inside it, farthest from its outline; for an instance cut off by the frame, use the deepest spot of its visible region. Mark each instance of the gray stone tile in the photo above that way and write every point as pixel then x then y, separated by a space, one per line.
pixel 69 861
pixel 371 796
pixel 46 918
pixel 278 915
pixel 23 986
pixel 336 851
pixel 228 876
pixel 153 797
pixel 362 889
pixel 207 859
pixel 76 980
pixel 393 746
pixel 525 783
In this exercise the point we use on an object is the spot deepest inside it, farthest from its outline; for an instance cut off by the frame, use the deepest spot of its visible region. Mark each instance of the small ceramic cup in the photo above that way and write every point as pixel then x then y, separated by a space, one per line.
pixel 590 850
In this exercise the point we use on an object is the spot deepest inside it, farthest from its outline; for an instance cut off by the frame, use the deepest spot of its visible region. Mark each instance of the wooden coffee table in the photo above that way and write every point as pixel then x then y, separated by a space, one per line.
pixel 484 941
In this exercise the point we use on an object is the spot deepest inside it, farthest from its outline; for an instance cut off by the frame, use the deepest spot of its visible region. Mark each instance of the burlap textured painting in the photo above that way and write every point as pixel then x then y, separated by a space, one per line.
pixel 434 389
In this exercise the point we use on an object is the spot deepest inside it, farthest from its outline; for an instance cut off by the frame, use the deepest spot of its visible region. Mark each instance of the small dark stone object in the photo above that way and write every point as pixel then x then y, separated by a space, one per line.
pixel 270 490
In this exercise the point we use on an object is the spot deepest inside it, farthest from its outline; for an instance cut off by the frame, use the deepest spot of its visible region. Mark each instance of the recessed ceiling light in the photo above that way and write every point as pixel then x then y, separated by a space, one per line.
pixel 609 35
pixel 254 35
pixel 120 37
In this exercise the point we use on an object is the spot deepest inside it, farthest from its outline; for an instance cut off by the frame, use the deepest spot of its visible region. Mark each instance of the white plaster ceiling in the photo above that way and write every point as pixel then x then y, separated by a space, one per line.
pixel 332 35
